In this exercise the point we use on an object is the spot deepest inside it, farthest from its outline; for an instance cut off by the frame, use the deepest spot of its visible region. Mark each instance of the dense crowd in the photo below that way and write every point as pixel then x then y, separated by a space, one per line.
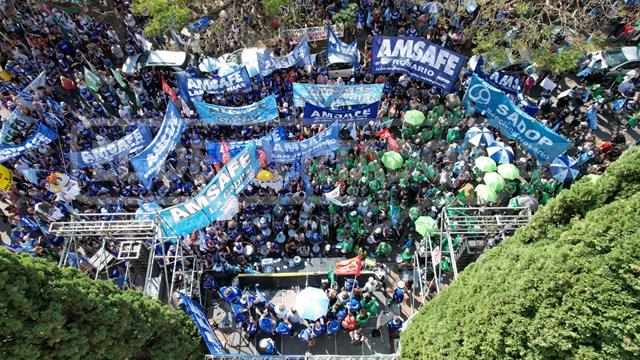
pixel 292 219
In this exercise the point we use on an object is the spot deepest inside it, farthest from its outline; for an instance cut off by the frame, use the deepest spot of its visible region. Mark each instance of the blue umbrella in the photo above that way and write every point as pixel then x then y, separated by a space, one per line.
pixel 500 153
pixel 479 136
pixel 565 169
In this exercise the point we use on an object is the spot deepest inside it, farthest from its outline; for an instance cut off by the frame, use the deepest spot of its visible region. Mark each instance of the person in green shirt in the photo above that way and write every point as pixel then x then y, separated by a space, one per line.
pixel 453 134
pixel 363 317
pixel 383 250
pixel 370 304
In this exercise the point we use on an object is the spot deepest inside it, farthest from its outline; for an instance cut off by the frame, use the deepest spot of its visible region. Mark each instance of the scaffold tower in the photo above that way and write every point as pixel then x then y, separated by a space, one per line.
pixel 132 250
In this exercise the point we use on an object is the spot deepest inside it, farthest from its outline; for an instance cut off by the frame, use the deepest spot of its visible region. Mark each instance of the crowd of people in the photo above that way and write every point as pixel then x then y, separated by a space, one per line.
pixel 294 220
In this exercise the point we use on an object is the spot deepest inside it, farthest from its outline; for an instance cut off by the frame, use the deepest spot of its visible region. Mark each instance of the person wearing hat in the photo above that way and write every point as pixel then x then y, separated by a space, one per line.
pixel 398 293
pixel 395 325
pixel 369 303
pixel 363 317
pixel 284 328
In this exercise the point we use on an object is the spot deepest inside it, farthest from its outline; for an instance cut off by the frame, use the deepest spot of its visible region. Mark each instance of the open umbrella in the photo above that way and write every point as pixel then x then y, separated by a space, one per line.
pixel 565 169
pixel 485 193
pixel 500 152
pixel 525 201
pixel 508 171
pixel 479 136
pixel 426 225
pixel 485 164
pixel 432 7
pixel 494 180
pixel 312 303
pixel 392 160
pixel 414 117
pixel 265 175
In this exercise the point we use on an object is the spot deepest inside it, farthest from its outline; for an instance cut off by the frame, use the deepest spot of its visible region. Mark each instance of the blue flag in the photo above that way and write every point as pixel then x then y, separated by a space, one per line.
pixel 301 55
pixel 592 118
pixel 196 311
pixel 513 123
pixel 149 161
pixel 336 49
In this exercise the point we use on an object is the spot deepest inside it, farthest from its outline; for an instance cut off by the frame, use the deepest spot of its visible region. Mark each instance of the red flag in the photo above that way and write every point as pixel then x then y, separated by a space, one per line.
pixel 169 91
pixel 359 266
pixel 225 152
pixel 262 158
pixel 386 134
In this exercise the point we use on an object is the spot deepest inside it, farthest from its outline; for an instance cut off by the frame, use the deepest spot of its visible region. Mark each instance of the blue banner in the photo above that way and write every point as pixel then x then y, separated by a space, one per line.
pixel 301 55
pixel 211 203
pixel 219 85
pixel 328 96
pixel 148 163
pixel 256 113
pixel 319 115
pixel 216 151
pixel 418 58
pixel 196 311
pixel 132 143
pixel 515 124
pixel 340 50
pixel 42 136
pixel 288 152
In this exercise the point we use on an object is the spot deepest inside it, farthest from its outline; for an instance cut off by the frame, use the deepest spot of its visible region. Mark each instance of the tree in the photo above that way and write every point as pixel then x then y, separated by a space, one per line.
pixel 54 313
pixel 163 15
pixel 274 7
pixel 346 16
pixel 567 285
pixel 561 31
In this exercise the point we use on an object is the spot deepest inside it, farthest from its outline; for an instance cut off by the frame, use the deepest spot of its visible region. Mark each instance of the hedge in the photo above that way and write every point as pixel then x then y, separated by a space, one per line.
pixel 52 313
pixel 566 286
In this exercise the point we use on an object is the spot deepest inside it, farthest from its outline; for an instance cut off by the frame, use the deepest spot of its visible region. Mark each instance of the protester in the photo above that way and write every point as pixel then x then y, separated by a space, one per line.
pixel 343 202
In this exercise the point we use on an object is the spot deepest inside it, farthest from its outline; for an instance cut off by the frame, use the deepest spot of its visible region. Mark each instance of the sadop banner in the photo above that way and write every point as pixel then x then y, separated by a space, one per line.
pixel 288 152
pixel 196 87
pixel 132 143
pixel 301 55
pixel 197 313
pixel 42 136
pixel 515 124
pixel 319 115
pixel 256 113
pixel 212 201
pixel 418 58
pixel 328 96
pixel 340 50
pixel 149 162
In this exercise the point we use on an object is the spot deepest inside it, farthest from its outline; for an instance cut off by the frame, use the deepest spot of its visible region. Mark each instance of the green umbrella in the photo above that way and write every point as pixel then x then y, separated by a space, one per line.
pixel 414 117
pixel 426 225
pixel 392 160
pixel 508 171
pixel 494 181
pixel 485 193
pixel 485 164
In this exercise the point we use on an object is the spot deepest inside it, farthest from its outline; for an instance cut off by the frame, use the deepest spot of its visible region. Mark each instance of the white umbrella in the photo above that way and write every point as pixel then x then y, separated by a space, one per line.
pixel 500 153
pixel 432 7
pixel 479 136
pixel 312 303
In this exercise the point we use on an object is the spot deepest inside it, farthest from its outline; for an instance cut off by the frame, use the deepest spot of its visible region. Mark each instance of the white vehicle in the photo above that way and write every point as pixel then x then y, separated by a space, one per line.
pixel 177 60
pixel 336 67
pixel 247 57
pixel 613 61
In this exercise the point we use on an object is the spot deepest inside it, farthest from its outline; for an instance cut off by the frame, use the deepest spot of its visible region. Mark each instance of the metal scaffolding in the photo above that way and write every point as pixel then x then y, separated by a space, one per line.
pixel 468 229
pixel 104 244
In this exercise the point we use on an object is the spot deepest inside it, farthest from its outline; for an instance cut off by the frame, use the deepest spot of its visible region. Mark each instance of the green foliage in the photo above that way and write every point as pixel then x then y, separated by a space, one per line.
pixel 272 7
pixel 560 61
pixel 164 15
pixel 566 286
pixel 52 313
pixel 346 16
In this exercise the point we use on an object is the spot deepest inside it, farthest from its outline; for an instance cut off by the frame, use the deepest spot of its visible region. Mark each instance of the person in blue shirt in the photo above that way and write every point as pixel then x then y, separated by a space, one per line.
pixel 398 293
pixel 267 324
pixel 395 325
